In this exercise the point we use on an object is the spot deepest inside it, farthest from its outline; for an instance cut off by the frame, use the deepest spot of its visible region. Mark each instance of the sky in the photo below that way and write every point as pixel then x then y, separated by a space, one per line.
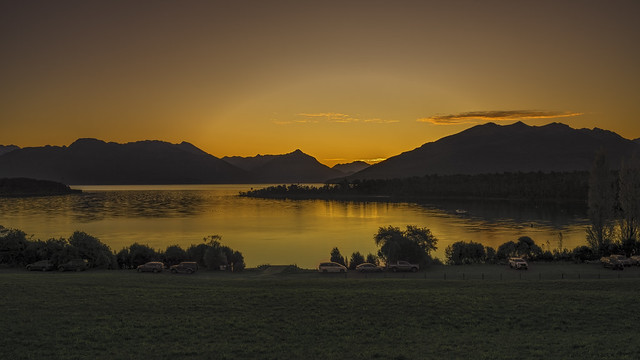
pixel 339 80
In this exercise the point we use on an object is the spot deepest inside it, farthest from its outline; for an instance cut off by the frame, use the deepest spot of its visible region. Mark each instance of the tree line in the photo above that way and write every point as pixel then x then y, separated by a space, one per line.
pixel 16 249
pixel 537 186
pixel 416 244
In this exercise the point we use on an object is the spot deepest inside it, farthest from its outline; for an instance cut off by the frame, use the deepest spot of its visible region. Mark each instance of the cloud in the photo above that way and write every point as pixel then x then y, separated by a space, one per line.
pixel 499 115
pixel 331 117
pixel 381 121
pixel 314 118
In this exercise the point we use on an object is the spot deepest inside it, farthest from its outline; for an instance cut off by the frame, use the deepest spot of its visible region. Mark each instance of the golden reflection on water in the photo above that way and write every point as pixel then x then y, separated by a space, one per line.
pixel 275 231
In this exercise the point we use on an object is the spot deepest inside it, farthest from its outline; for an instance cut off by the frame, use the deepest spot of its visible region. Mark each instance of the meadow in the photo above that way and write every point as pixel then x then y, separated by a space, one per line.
pixel 455 312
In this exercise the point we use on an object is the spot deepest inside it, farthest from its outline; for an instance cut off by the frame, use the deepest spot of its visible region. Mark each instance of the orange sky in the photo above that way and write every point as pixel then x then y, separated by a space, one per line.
pixel 340 80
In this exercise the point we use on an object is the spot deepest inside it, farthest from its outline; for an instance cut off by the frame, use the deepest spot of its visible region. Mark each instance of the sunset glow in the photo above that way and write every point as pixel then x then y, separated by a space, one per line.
pixel 339 80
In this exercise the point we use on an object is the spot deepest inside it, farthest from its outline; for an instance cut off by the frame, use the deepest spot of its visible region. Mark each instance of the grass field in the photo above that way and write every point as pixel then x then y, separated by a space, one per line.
pixel 271 315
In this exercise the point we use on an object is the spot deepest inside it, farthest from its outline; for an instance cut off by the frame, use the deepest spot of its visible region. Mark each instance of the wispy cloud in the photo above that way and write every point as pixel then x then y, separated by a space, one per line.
pixel 380 121
pixel 499 115
pixel 331 117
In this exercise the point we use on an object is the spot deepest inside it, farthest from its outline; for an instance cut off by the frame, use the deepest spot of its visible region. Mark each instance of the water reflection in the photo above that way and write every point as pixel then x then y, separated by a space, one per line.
pixel 94 206
pixel 278 231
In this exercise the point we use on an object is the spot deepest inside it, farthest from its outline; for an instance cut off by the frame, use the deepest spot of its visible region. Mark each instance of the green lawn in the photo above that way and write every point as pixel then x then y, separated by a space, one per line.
pixel 126 315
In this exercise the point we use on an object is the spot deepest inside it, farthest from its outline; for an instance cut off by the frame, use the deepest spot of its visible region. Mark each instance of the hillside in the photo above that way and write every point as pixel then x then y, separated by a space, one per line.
pixel 92 161
pixel 492 148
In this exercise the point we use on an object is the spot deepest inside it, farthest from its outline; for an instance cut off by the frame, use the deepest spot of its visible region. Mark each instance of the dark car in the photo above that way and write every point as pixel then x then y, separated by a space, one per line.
pixel 330 266
pixel 188 267
pixel 42 265
pixel 152 266
pixel 74 265
pixel 368 267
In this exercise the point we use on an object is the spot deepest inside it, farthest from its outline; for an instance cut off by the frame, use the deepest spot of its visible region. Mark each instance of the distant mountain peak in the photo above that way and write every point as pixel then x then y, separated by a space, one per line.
pixel 86 141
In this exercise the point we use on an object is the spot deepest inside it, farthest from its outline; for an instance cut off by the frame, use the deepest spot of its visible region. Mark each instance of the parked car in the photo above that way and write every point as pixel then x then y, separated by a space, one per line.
pixel 152 266
pixel 635 260
pixel 518 263
pixel 42 265
pixel 326 267
pixel 74 265
pixel 368 267
pixel 612 263
pixel 188 267
pixel 623 259
pixel 403 266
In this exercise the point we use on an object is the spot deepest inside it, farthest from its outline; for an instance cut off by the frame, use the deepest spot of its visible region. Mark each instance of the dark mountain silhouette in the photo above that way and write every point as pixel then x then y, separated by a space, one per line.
pixel 295 167
pixel 6 148
pixel 351 168
pixel 249 163
pixel 492 148
pixel 91 161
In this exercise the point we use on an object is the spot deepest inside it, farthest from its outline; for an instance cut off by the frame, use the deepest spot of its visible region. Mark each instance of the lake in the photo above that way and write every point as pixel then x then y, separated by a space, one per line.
pixel 267 231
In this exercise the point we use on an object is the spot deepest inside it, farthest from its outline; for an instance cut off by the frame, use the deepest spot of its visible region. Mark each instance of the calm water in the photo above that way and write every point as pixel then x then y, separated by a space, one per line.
pixel 276 231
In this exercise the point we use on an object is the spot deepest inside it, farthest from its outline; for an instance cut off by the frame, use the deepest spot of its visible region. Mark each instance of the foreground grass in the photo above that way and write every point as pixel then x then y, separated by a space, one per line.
pixel 125 315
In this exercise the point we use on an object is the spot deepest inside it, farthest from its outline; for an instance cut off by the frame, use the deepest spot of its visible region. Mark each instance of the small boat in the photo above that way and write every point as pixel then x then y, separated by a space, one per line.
pixel 461 211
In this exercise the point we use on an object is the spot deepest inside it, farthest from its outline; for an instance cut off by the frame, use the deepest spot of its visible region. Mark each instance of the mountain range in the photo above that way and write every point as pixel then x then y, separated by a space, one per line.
pixel 488 148
pixel 518 147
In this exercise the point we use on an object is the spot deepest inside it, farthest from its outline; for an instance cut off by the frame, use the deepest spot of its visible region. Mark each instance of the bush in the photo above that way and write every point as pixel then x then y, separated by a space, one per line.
pixel 13 243
pixel 525 247
pixel 584 253
pixel 465 253
pixel 90 248
pixel 174 254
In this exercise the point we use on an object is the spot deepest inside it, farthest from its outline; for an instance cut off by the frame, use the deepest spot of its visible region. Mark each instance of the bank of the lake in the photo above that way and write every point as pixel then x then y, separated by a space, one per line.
pixel 124 315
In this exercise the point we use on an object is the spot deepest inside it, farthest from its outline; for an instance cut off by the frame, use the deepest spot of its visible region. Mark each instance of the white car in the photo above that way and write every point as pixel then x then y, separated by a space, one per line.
pixel 518 263
pixel 326 267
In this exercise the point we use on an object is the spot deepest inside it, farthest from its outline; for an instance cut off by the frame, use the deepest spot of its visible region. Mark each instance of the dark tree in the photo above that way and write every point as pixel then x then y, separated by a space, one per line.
pixel 12 245
pixel 461 252
pixel 414 244
pixel 140 254
pixel 629 204
pixel 336 256
pixel 601 204
pixel 372 259
pixel 356 259
pixel 174 254
pixel 90 248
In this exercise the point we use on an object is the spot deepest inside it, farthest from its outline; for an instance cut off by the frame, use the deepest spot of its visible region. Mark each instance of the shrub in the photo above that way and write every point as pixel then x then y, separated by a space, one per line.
pixel 461 252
